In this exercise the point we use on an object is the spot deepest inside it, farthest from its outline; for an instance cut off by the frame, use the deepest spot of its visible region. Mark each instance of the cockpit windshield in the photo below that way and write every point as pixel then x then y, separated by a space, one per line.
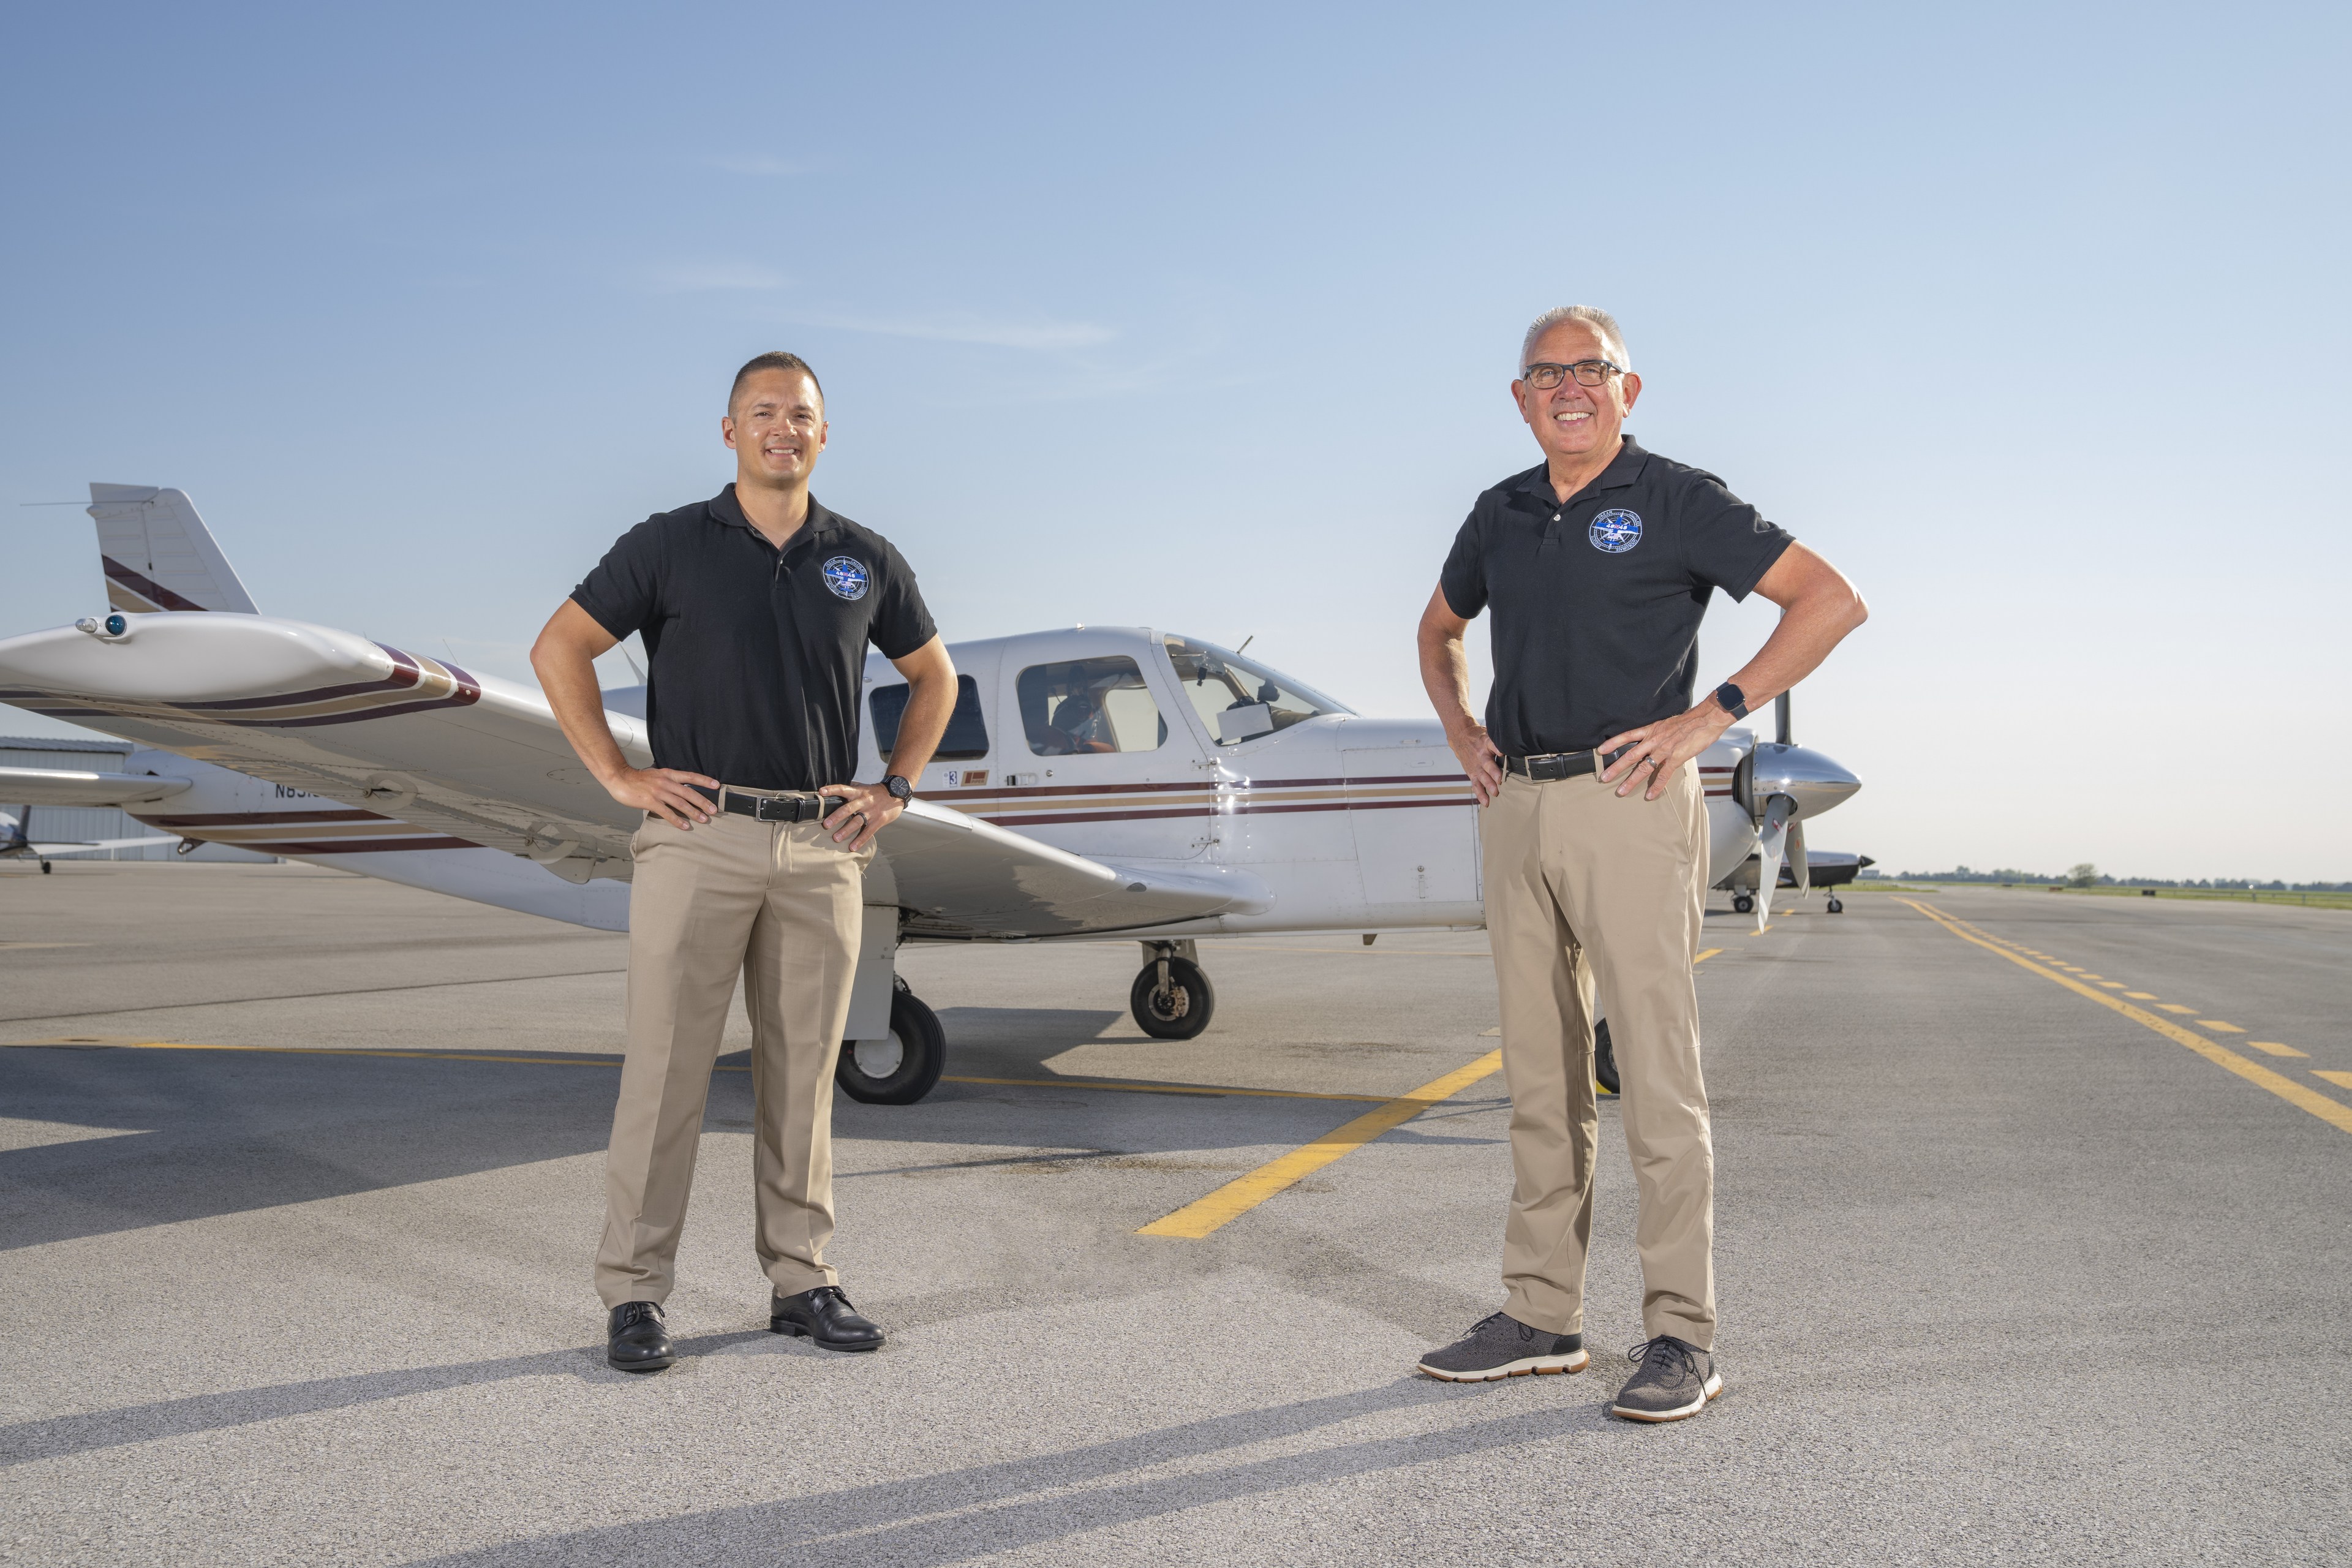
pixel 1238 698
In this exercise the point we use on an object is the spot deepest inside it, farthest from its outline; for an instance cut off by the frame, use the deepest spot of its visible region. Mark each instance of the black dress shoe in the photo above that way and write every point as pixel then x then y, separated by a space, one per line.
pixel 825 1316
pixel 638 1341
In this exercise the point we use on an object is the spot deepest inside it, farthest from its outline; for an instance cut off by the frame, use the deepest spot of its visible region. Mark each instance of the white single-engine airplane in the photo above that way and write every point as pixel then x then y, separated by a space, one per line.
pixel 1098 782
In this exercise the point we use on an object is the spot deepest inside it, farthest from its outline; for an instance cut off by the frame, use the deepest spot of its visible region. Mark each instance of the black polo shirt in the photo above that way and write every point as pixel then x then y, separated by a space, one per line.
pixel 1597 603
pixel 758 654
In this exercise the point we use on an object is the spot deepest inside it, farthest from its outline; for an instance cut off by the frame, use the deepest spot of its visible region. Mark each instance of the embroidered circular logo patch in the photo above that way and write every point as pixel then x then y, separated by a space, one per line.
pixel 846 577
pixel 1616 531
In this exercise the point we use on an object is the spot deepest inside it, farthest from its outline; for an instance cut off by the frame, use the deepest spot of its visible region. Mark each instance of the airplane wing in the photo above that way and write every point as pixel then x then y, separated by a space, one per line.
pixel 483 763
pixel 72 786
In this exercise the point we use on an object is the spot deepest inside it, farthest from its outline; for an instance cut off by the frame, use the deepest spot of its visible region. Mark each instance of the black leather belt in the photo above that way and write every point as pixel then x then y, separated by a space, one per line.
pixel 782 807
pixel 1560 764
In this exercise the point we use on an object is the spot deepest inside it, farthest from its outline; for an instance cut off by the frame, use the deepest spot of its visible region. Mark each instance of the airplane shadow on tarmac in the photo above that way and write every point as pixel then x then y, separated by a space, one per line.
pixel 208 1133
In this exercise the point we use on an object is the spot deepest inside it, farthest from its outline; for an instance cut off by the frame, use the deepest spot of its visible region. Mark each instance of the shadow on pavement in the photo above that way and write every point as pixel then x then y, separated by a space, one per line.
pixel 212 1133
pixel 987 1510
pixel 62 1434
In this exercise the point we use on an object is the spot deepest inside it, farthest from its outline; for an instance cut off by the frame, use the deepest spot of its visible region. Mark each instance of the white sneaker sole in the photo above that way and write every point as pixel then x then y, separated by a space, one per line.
pixel 1537 1365
pixel 1707 1390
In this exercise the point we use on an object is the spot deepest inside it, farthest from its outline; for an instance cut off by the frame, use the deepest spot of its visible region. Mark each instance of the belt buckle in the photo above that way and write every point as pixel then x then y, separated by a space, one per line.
pixel 775 808
pixel 1549 768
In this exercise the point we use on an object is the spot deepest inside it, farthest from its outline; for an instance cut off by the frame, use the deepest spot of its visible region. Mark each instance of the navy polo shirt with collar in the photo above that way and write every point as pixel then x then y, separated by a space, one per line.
pixel 1596 601
pixel 757 655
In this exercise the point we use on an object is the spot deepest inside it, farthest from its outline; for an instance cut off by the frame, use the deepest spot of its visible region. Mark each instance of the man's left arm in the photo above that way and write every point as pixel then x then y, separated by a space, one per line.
pixel 1818 608
pixel 867 809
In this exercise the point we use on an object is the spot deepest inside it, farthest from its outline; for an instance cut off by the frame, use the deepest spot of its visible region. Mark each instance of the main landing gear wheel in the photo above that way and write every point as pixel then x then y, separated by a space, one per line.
pixel 1604 1057
pixel 1176 1010
pixel 46 868
pixel 902 1068
pixel 1743 903
pixel 1835 906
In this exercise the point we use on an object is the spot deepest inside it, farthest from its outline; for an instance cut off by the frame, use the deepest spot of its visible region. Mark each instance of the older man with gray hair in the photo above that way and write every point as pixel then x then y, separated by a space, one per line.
pixel 1598 564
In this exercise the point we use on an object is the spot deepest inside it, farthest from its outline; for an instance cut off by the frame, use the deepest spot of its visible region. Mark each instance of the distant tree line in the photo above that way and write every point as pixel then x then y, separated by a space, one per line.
pixel 2088 875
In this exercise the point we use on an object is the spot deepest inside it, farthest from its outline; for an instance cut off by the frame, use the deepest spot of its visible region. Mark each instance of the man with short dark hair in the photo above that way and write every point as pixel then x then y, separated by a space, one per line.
pixel 755 608
pixel 1598 564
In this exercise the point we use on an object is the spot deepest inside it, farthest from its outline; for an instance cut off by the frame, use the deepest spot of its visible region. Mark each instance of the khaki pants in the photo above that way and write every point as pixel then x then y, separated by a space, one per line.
pixel 782 905
pixel 1583 885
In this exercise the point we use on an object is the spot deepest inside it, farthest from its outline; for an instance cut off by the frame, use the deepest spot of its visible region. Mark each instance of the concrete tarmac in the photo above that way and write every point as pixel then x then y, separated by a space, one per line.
pixel 2006 1275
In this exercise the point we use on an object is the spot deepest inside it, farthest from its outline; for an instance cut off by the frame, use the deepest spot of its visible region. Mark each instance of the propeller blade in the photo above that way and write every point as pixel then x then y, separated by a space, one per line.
pixel 1798 867
pixel 1781 720
pixel 1773 845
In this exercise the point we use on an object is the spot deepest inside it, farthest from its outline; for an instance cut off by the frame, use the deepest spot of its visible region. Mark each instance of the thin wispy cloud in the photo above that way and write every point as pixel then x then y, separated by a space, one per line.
pixel 1036 335
pixel 716 277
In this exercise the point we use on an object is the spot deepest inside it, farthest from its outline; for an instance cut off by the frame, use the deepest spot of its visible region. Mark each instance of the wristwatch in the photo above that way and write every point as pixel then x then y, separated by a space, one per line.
pixel 902 790
pixel 1733 700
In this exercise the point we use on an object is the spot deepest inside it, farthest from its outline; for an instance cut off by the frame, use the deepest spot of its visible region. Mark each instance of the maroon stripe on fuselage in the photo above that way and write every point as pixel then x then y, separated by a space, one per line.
pixel 357 847
pixel 1273 806
pixel 1042 791
pixel 146 587
pixel 1022 819
pixel 261 818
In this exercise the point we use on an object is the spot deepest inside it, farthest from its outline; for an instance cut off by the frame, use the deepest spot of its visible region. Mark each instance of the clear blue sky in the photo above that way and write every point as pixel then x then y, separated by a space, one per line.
pixel 2033 319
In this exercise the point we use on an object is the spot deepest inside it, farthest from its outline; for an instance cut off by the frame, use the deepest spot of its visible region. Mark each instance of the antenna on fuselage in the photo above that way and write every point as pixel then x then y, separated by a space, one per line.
pixel 1246 642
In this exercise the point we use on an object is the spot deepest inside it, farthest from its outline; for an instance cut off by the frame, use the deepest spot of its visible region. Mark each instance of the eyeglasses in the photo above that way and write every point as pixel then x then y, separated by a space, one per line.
pixel 1588 372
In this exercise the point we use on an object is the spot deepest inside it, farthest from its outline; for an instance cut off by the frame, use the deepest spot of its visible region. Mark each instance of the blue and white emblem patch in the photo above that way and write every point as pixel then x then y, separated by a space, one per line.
pixel 846 577
pixel 1616 531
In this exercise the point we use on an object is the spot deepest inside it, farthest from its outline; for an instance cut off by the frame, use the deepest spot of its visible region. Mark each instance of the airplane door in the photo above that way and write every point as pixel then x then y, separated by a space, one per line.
pixel 1098 758
pixel 1416 828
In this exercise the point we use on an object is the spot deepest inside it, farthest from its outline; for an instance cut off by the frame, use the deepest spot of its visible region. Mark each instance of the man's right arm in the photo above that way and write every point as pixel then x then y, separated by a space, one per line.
pixel 1445 675
pixel 565 658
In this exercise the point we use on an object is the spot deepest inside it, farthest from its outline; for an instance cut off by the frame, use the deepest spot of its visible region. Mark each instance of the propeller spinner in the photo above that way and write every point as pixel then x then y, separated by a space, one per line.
pixel 1781 783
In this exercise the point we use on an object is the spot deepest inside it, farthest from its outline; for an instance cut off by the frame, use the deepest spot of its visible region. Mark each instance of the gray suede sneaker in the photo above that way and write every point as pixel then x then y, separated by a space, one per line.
pixel 1673 1382
pixel 1502 1346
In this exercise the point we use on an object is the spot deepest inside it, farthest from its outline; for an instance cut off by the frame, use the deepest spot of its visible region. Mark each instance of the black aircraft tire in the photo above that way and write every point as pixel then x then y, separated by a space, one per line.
pixel 1604 1057
pixel 923 1055
pixel 1742 903
pixel 1180 1015
pixel 46 868
pixel 1836 905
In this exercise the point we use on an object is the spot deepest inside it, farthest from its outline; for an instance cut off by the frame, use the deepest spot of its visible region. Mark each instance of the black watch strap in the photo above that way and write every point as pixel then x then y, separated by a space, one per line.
pixel 899 788
pixel 1733 700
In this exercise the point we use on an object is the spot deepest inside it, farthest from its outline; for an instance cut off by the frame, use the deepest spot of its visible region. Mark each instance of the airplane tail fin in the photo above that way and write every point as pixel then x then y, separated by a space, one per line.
pixel 158 554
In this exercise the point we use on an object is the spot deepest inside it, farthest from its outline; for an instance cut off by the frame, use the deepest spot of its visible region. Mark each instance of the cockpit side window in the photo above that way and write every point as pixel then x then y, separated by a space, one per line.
pixel 1239 699
pixel 967 733
pixel 1088 705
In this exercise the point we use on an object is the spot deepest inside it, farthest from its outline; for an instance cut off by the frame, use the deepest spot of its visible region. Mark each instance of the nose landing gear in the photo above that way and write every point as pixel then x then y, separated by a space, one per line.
pixel 1171 998
pixel 1743 903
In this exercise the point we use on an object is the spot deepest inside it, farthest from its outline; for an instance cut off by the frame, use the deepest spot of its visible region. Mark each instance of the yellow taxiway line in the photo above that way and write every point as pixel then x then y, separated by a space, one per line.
pixel 2336 1113
pixel 1238 1197
pixel 556 1062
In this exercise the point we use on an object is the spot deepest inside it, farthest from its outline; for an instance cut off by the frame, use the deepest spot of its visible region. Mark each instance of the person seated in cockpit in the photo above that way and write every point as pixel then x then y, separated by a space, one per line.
pixel 1081 724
